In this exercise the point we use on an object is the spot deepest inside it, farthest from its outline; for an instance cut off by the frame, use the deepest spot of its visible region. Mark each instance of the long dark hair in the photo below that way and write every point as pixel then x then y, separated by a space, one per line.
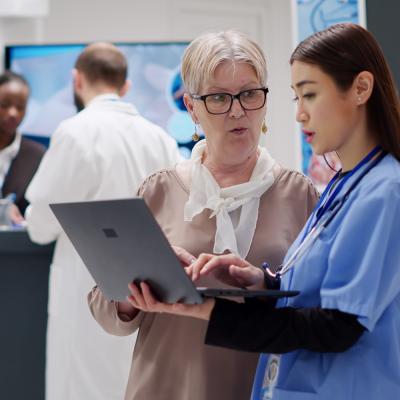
pixel 344 50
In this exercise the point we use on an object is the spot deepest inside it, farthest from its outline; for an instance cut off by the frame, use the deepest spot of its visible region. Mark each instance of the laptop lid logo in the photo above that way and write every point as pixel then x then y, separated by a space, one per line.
pixel 110 233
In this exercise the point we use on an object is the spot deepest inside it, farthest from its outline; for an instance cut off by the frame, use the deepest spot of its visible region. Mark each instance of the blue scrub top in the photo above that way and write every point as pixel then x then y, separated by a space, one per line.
pixel 354 267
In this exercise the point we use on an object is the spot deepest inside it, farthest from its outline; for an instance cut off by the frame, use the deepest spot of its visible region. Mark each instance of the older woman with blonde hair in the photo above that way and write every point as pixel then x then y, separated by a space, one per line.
pixel 230 197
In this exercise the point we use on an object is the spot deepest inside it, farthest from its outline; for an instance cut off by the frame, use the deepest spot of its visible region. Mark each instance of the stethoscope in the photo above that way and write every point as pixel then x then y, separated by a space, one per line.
pixel 326 209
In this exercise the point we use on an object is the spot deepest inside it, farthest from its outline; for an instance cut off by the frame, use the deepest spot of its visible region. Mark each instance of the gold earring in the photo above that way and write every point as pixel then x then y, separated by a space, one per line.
pixel 195 136
pixel 264 127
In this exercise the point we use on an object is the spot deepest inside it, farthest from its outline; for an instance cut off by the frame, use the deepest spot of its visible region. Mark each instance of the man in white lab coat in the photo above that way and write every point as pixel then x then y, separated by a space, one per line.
pixel 103 152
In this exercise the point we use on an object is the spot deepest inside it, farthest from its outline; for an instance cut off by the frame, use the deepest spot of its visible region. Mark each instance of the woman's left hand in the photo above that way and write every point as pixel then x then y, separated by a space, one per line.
pixel 142 298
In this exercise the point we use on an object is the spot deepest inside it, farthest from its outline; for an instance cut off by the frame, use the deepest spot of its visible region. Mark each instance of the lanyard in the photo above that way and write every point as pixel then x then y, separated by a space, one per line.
pixel 313 230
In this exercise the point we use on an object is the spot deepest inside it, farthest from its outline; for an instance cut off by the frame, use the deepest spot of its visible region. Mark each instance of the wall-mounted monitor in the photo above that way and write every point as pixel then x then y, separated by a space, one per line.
pixel 153 69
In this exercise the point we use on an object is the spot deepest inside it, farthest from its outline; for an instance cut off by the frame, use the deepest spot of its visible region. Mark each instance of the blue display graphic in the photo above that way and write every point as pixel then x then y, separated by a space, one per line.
pixel 314 16
pixel 153 69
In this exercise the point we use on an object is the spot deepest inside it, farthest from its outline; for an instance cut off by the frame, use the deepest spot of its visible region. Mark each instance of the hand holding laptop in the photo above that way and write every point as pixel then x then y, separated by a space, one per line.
pixel 142 298
pixel 228 268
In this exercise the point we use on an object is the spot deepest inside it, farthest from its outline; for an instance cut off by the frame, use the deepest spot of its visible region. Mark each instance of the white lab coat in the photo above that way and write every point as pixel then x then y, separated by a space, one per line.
pixel 103 152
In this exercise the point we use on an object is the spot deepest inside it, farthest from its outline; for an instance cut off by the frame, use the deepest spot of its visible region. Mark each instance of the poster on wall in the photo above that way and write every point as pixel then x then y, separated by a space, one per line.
pixel 312 16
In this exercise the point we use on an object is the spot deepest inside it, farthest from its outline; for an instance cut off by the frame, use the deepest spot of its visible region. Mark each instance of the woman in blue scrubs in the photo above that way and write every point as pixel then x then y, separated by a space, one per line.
pixel 340 337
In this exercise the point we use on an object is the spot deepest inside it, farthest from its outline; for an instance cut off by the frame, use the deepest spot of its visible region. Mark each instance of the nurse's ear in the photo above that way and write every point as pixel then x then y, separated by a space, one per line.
pixel 363 86
pixel 189 104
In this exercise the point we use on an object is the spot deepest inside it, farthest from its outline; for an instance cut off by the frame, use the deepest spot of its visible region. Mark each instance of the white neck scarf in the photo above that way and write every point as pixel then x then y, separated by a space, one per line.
pixel 205 193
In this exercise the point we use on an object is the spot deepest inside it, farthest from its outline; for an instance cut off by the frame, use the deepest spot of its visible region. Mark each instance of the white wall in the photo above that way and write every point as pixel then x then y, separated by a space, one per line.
pixel 268 21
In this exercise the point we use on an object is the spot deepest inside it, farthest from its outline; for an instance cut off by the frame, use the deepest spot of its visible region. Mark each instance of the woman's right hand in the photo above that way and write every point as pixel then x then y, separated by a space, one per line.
pixel 229 269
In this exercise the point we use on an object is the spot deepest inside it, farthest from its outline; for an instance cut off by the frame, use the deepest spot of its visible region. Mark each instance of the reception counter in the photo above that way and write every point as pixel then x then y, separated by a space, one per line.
pixel 24 271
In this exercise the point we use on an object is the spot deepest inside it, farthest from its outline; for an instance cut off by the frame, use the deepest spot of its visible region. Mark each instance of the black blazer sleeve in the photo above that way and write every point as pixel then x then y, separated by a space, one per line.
pixel 257 327
pixel 22 169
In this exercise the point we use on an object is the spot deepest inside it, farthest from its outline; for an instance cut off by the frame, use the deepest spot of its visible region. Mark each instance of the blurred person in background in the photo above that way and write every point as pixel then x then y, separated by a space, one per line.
pixel 19 156
pixel 103 152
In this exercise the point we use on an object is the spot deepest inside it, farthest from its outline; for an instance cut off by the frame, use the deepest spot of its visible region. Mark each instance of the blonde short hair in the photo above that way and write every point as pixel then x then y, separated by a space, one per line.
pixel 205 53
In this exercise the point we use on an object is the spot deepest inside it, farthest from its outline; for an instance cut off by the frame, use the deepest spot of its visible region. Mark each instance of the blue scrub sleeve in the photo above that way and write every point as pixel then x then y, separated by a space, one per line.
pixel 363 275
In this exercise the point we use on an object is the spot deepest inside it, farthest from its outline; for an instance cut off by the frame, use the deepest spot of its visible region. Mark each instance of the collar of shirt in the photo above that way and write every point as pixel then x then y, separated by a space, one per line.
pixel 114 101
pixel 104 97
pixel 235 207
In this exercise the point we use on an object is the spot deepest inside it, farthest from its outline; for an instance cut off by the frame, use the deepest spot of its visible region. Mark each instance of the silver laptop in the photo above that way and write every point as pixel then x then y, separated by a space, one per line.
pixel 120 242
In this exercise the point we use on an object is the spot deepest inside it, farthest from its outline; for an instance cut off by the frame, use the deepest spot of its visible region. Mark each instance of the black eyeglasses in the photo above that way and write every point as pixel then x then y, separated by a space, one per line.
pixel 221 103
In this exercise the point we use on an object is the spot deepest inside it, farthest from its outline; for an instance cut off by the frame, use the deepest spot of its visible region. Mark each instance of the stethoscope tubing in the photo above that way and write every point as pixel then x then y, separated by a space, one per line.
pixel 310 237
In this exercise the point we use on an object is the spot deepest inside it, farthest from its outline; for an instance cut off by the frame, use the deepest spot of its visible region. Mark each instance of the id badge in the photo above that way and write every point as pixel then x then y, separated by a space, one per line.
pixel 270 377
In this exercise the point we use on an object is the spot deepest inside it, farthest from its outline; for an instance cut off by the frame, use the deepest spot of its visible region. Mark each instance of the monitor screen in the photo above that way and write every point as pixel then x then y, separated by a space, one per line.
pixel 153 69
